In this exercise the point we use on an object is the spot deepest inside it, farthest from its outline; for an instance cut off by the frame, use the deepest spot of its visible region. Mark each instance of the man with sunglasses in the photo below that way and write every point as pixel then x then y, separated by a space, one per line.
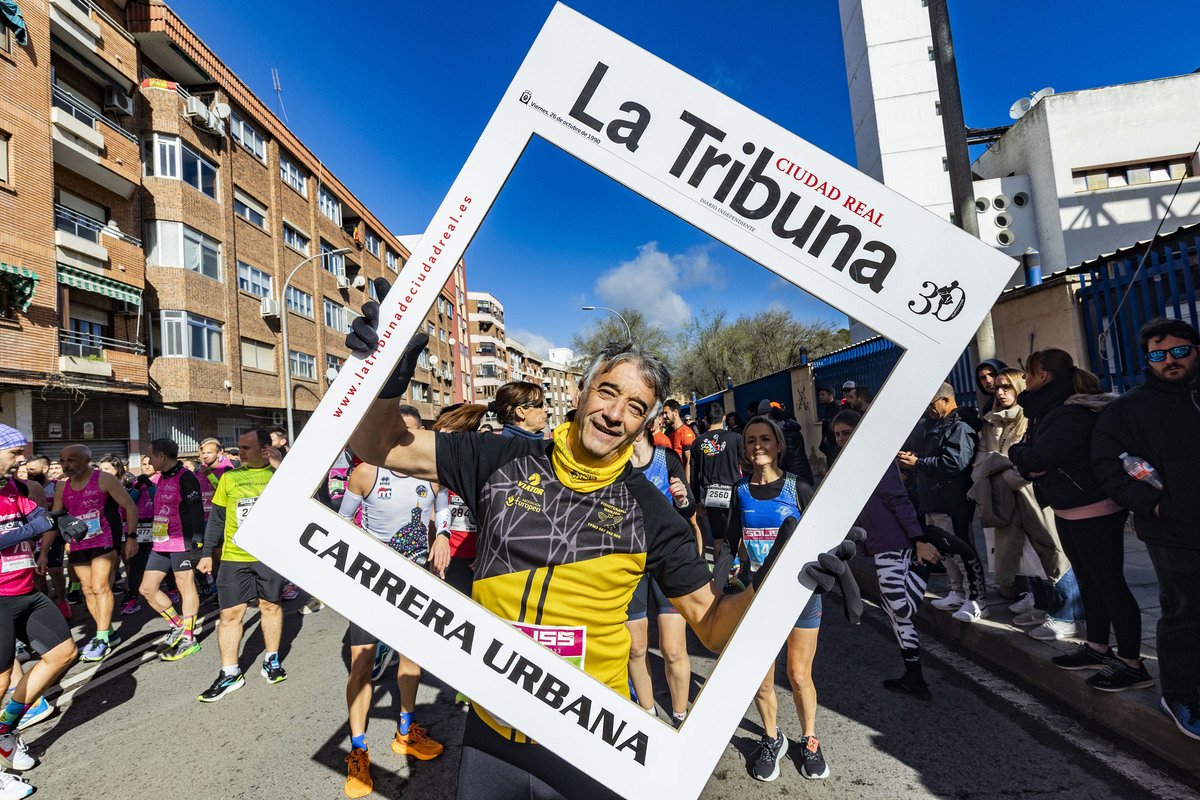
pixel 1159 423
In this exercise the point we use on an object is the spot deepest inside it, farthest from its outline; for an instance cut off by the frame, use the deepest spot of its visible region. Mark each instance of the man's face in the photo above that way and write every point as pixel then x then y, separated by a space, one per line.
pixel 157 460
pixel 940 407
pixel 611 412
pixel 277 441
pixel 824 397
pixel 9 459
pixel 987 379
pixel 36 469
pixel 73 461
pixel 1172 369
pixel 250 451
pixel 54 471
pixel 210 453
pixel 411 422
pixel 857 401
pixel 671 418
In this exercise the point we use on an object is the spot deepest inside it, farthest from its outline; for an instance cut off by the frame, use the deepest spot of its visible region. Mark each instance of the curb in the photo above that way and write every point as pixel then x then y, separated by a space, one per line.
pixel 1133 715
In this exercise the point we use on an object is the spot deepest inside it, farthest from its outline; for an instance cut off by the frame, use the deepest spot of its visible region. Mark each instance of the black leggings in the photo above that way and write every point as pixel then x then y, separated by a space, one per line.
pixel 1096 548
pixel 135 568
pixel 493 768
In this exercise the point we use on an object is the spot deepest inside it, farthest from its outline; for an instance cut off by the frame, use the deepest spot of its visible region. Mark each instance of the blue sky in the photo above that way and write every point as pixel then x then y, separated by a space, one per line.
pixel 393 95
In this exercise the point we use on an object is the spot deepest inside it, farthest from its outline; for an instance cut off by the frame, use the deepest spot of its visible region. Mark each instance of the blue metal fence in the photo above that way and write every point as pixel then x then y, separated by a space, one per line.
pixel 1166 287
pixel 870 362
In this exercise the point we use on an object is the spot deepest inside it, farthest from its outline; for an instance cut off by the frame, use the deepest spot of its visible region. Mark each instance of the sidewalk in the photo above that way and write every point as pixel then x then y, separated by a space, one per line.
pixel 1133 715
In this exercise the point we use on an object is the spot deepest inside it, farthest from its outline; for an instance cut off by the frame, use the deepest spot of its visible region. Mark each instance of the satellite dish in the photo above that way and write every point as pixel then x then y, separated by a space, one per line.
pixel 1043 93
pixel 451 341
pixel 222 110
pixel 359 282
pixel 331 373
pixel 433 360
pixel 1019 108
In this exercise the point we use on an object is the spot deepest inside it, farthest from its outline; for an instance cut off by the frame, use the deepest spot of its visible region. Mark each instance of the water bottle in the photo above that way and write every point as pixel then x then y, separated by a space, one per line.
pixel 1141 469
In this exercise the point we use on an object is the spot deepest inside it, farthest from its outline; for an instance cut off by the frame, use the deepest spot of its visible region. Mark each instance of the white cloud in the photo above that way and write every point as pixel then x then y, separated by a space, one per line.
pixel 538 344
pixel 650 282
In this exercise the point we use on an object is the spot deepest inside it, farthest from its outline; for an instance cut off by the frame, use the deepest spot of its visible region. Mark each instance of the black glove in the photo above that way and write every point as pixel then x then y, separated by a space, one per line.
pixel 828 567
pixel 72 528
pixel 363 337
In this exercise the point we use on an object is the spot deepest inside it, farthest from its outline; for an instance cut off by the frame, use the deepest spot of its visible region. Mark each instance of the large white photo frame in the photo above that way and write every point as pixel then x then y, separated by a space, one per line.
pixel 760 189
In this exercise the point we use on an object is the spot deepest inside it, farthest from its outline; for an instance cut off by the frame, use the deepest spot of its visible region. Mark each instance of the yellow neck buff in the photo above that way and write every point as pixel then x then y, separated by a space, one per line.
pixel 582 478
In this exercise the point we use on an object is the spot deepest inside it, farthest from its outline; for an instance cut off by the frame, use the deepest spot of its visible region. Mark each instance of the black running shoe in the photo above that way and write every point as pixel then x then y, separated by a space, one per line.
pixel 273 671
pixel 223 685
pixel 812 763
pixel 1119 676
pixel 1083 657
pixel 766 759
pixel 906 685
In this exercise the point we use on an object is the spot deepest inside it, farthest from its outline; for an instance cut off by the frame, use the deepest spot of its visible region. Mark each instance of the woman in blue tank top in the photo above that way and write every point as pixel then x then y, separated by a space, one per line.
pixel 761 503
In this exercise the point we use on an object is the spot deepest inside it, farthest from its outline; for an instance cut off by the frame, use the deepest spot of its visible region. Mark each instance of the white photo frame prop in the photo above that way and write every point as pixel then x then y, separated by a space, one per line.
pixel 765 192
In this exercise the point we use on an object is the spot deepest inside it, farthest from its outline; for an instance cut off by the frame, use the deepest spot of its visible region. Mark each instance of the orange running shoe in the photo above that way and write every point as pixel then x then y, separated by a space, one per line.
pixel 358 773
pixel 417 744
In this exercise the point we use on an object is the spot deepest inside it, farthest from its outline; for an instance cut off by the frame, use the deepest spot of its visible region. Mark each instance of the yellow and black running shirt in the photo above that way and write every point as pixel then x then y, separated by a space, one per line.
pixel 238 490
pixel 561 565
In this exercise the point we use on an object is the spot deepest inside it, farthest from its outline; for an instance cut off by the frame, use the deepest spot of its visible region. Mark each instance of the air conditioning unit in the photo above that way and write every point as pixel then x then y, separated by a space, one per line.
pixel 269 308
pixel 196 108
pixel 343 282
pixel 118 101
pixel 215 125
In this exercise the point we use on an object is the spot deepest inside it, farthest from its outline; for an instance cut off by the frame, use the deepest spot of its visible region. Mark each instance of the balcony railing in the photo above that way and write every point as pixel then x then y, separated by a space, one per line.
pixel 80 111
pixel 89 345
pixel 87 228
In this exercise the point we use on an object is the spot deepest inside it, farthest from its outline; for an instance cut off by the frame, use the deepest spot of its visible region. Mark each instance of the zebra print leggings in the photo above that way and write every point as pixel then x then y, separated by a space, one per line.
pixel 901 589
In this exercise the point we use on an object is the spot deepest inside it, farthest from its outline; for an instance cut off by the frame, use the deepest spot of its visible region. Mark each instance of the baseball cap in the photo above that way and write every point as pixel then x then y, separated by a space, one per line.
pixel 764 406
pixel 849 385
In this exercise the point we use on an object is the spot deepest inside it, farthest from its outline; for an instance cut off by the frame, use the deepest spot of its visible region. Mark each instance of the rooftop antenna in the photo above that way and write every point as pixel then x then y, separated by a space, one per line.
pixel 1022 106
pixel 279 94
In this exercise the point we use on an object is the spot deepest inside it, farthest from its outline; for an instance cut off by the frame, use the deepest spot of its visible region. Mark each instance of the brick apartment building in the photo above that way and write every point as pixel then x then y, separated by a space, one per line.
pixel 153 208
pixel 489 358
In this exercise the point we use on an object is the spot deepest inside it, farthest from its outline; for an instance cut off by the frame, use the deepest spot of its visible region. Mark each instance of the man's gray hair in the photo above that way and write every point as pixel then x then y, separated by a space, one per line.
pixel 650 369
pixel 945 390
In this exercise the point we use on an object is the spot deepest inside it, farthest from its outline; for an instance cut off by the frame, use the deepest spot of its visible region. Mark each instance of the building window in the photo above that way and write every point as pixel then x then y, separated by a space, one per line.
pixel 420 392
pixel 330 206
pixel 423 359
pixel 258 355
pixel 334 264
pixel 249 209
pixel 442 334
pixel 431 329
pixel 372 244
pixel 371 290
pixel 293 176
pixel 185 335
pixel 303 365
pixel 249 138
pixel 392 261
pixel 4 139
pixel 167 157
pixel 335 316
pixel 334 363
pixel 253 280
pixel 173 244
pixel 1135 174
pixel 298 301
pixel 4 43
pixel 295 239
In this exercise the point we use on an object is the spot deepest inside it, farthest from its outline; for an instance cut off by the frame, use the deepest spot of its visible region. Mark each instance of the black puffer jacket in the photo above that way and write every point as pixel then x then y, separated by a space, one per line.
pixel 944 466
pixel 1160 422
pixel 1058 443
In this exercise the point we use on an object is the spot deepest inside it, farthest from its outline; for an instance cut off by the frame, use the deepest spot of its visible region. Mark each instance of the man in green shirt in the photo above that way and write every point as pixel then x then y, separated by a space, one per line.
pixel 242 577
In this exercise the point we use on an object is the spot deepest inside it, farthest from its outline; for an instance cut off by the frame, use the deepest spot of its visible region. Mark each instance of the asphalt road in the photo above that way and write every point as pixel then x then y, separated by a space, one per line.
pixel 133 728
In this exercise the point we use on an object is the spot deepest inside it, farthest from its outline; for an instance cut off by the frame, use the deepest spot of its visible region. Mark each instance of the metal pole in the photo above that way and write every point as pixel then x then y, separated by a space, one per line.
pixel 628 330
pixel 958 158
pixel 287 356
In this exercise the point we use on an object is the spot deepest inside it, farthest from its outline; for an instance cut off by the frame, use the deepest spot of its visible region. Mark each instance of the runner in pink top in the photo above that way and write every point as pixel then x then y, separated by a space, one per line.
pixel 96 498
pixel 25 614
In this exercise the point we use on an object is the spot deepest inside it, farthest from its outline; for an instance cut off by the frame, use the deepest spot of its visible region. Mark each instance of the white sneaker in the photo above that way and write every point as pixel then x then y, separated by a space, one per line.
pixel 312 606
pixel 971 611
pixel 1030 619
pixel 13 788
pixel 949 602
pixel 1053 629
pixel 1023 605
pixel 14 753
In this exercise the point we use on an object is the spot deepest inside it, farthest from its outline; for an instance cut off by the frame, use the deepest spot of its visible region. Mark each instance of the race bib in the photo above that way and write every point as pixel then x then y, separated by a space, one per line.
pixel 160 530
pixel 718 496
pixel 461 519
pixel 244 504
pixel 758 543
pixel 22 559
pixel 92 518
pixel 145 530
pixel 567 642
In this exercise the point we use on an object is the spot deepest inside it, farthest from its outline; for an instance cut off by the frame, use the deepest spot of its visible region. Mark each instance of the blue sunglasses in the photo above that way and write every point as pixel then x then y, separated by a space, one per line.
pixel 1158 356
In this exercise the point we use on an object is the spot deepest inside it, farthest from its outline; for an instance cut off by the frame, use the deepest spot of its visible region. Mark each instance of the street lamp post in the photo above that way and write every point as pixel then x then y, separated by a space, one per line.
pixel 628 330
pixel 287 355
